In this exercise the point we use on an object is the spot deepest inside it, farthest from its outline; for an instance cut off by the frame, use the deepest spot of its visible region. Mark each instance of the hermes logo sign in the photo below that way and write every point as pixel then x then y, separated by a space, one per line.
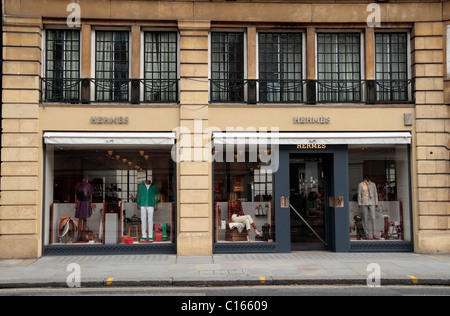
pixel 312 119
pixel 312 144
pixel 109 120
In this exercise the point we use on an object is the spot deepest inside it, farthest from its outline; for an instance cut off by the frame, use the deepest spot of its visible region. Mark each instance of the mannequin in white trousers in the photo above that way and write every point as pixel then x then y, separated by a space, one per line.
pixel 147 221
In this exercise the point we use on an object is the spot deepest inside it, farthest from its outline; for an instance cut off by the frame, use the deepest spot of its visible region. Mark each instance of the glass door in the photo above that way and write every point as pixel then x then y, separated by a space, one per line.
pixel 308 201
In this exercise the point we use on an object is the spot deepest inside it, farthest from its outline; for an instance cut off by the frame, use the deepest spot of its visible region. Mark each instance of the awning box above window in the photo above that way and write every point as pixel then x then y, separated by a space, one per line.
pixel 344 138
pixel 94 138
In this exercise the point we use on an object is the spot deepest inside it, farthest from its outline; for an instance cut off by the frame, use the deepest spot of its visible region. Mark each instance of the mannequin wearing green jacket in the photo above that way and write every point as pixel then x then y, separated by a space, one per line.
pixel 147 203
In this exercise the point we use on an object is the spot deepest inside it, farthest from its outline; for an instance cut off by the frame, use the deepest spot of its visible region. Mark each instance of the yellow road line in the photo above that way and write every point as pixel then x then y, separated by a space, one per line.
pixel 414 279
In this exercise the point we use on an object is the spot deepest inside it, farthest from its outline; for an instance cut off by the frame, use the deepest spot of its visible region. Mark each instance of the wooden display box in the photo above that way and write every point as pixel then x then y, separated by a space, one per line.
pixel 234 235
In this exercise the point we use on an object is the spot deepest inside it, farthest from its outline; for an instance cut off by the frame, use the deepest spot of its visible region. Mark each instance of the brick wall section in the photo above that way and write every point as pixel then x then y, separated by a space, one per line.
pixel 194 172
pixel 19 229
pixel 432 128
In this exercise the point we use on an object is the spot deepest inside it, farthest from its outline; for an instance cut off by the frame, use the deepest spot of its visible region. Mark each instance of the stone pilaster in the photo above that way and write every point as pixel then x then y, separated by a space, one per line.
pixel 432 139
pixel 20 232
pixel 194 173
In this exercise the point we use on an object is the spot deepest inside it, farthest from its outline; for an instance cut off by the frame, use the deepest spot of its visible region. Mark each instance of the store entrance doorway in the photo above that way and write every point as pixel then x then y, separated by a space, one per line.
pixel 311 186
pixel 308 180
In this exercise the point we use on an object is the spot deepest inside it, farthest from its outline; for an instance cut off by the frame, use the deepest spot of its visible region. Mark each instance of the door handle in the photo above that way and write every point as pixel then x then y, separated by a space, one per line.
pixel 284 201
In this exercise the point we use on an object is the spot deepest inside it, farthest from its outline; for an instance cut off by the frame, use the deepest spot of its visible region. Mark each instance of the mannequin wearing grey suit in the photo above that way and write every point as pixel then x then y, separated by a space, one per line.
pixel 368 201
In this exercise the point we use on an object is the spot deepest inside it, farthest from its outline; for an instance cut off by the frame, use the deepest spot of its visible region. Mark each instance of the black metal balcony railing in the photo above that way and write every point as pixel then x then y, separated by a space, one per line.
pixel 127 90
pixel 111 90
pixel 393 91
pixel 281 91
pixel 225 90
pixel 165 91
pixel 269 91
pixel 228 91
pixel 311 91
pixel 339 91
pixel 60 90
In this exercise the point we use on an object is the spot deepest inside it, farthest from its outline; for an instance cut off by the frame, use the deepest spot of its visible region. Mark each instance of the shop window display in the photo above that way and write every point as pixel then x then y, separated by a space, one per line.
pixel 92 196
pixel 379 193
pixel 243 206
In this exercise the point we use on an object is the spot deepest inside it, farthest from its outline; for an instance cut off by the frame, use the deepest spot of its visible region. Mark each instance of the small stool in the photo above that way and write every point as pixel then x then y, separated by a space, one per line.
pixel 136 230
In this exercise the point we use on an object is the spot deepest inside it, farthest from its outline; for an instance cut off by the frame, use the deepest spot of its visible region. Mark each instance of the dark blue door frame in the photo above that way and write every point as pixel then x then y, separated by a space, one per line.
pixel 338 235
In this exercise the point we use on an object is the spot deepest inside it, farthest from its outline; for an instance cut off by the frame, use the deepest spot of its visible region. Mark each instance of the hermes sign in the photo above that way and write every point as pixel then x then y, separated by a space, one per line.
pixel 312 119
pixel 109 120
pixel 311 146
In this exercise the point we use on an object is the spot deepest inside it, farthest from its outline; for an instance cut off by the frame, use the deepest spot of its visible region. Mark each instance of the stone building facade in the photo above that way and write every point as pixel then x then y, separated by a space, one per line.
pixel 30 116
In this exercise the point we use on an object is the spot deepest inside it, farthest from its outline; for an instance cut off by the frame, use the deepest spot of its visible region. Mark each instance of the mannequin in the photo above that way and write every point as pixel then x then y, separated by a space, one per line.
pixel 83 206
pixel 147 203
pixel 367 202
pixel 236 215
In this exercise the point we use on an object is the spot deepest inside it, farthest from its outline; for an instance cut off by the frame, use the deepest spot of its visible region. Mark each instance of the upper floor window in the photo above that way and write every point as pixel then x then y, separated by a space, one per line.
pixel 280 67
pixel 391 67
pixel 160 67
pixel 62 66
pixel 339 67
pixel 227 67
pixel 112 66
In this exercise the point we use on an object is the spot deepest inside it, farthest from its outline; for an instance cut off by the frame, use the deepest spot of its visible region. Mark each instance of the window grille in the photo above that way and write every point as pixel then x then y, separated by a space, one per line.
pixel 280 67
pixel 160 67
pixel 339 67
pixel 391 67
pixel 227 67
pixel 112 66
pixel 62 60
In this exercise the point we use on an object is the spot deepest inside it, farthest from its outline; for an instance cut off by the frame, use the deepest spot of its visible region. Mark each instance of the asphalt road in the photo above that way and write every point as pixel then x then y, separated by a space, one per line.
pixel 240 293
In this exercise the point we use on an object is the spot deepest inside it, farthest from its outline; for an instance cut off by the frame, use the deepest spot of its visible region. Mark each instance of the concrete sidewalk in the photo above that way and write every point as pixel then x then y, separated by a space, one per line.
pixel 315 268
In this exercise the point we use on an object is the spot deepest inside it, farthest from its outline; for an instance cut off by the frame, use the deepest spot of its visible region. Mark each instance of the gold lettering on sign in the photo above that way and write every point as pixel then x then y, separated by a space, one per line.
pixel 311 146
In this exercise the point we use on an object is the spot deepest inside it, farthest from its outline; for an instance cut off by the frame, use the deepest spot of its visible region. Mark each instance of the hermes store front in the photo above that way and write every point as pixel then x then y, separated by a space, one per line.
pixel 104 171
pixel 312 191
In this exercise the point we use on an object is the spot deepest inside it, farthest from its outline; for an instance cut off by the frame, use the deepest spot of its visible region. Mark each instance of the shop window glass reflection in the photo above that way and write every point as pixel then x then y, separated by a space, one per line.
pixel 243 207
pixel 114 176
pixel 379 193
